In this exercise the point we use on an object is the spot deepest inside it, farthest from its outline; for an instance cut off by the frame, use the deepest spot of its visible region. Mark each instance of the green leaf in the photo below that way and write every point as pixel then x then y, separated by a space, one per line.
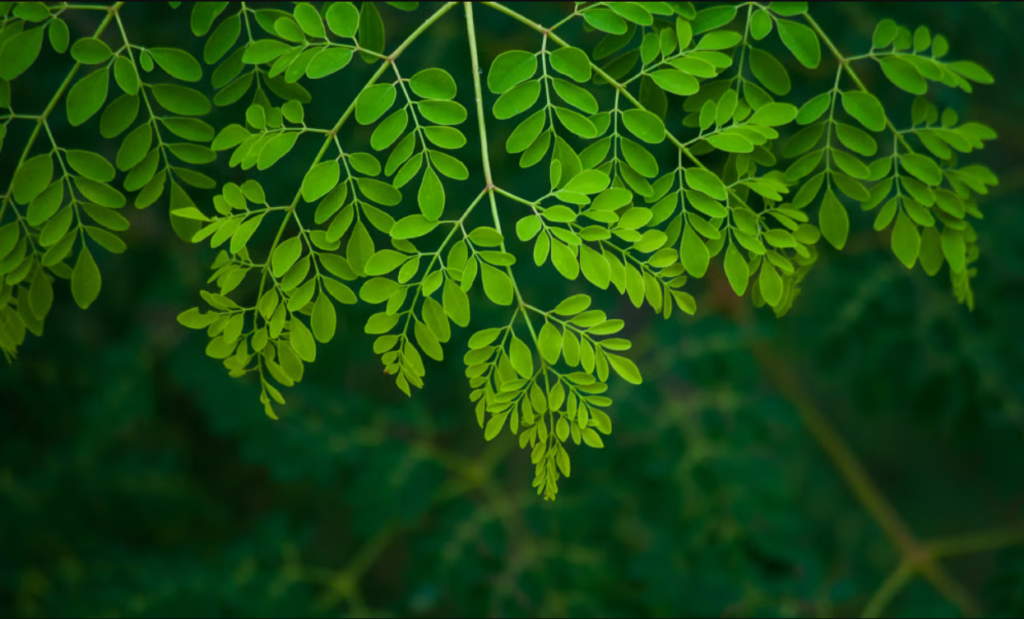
pixel 813 109
pixel 411 227
pixel 90 51
pixel 324 319
pixel 309 20
pixel 675 82
pixel 774 114
pixel 320 180
pixel 90 165
pixel 509 69
pixel 177 63
pixel 770 284
pixel 605 21
pixel 485 236
pixel 632 11
pixel 435 319
pixel 856 140
pixel 769 71
pixel 343 19
pixel 203 16
pixel 588 182
pixel 517 100
pixel 549 342
pixel 377 290
pixel 906 241
pixel 930 253
pixel 180 100
pixel 494 426
pixel 381 193
pixel 736 270
pixel 644 125
pixel 521 357
pixel 712 18
pixel 264 51
pixel 431 196
pixel 595 267
pixel 87 96
pixel 328 62
pixel 684 31
pixel 497 285
pixel 443 112
pixel 885 33
pixel 32 178
pixel 134 147
pixel 625 368
pixel 705 182
pixel 449 166
pixel 372 102
pixel 573 305
pixel 719 40
pixel 302 341
pixel 563 258
pixel 222 39
pixel 59 35
pixel 866 108
pixel 573 95
pixel 385 261
pixel 388 131
pixel 954 248
pixel 527 131
pixel 46 204
pixel 445 137
pixel 694 253
pixel 371 31
pixel 19 52
pixel 903 74
pixel 85 279
pixel 433 83
pixel 456 303
pixel 833 220
pixel 801 41
pixel 972 71
pixel 921 167
pixel 571 62
pixel 286 254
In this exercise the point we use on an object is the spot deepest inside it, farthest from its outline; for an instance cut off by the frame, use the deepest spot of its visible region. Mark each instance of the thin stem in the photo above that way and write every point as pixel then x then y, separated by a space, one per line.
pixel 976 542
pixel 482 125
pixel 889 589
pixel 861 484
pixel 844 63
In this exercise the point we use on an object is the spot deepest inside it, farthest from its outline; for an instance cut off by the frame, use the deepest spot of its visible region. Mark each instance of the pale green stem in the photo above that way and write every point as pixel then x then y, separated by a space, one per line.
pixel 889 589
pixel 485 157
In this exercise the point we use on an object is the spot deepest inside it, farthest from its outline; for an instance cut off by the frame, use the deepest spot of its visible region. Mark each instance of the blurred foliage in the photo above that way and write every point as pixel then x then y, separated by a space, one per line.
pixel 137 479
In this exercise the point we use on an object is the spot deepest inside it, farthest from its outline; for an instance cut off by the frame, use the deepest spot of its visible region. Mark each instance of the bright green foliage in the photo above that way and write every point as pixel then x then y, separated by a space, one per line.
pixel 639 202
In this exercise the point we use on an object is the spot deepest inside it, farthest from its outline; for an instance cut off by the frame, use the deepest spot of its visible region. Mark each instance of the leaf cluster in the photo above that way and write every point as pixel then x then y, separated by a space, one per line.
pixel 641 200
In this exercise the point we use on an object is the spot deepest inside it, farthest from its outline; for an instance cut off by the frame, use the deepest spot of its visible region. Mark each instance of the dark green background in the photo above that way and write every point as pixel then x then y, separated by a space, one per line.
pixel 137 478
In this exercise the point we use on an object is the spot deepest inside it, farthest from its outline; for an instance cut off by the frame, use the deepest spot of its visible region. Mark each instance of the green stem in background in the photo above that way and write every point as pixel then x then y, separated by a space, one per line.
pixel 889 589
pixel 914 553
pixel 838 451
pixel 976 542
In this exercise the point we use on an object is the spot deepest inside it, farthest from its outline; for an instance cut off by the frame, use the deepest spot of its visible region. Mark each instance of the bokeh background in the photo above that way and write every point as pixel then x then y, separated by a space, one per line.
pixel 138 479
